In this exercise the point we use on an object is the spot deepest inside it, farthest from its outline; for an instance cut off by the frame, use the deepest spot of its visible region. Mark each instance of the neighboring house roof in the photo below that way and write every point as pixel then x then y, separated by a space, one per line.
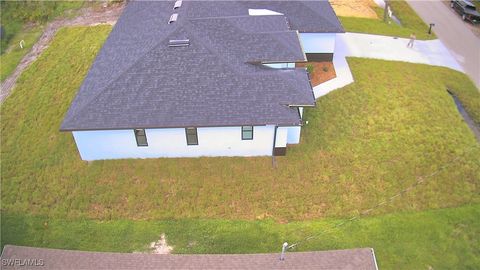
pixel 363 258
pixel 138 81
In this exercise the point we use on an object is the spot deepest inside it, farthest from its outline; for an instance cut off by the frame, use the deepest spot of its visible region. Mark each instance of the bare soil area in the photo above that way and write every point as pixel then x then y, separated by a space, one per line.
pixel 354 8
pixel 322 72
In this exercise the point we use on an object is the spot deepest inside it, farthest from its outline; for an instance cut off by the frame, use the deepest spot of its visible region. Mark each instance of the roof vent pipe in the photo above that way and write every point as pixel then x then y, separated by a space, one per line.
pixel 173 18
pixel 178 4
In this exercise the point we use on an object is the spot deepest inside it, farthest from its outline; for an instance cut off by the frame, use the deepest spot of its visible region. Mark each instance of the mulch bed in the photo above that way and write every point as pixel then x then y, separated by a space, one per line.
pixel 322 71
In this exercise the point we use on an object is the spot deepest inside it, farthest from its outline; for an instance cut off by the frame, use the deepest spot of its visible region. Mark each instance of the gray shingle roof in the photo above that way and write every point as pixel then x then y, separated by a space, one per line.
pixel 138 81
pixel 358 259
pixel 304 16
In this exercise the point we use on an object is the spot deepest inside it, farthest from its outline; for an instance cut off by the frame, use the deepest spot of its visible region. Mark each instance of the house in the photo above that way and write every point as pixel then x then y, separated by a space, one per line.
pixel 18 257
pixel 201 78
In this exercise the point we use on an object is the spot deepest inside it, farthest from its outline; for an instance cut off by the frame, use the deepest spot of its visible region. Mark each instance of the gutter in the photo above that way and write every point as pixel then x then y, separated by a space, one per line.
pixel 171 127
pixel 295 105
pixel 374 258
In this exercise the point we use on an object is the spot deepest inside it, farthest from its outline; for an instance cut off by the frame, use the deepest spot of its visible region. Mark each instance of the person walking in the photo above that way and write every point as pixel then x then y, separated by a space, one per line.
pixel 412 39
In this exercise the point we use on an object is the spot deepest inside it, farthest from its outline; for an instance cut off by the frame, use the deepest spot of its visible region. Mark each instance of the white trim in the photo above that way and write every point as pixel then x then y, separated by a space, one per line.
pixel 374 258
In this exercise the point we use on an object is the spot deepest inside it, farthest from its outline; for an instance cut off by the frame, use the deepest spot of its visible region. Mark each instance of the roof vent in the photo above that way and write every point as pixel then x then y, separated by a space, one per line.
pixel 178 42
pixel 173 18
pixel 178 4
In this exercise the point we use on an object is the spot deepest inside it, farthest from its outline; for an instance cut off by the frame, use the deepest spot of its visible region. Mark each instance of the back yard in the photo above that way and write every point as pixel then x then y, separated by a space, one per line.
pixel 363 143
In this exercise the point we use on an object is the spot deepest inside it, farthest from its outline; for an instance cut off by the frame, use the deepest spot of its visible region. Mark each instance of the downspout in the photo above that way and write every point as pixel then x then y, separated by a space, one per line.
pixel 274 163
pixel 374 259
pixel 274 140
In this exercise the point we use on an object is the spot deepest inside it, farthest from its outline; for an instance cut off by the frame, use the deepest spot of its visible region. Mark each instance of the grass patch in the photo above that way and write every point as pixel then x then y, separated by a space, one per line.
pixel 411 23
pixel 441 239
pixel 24 20
pixel 14 55
pixel 477 4
pixel 363 143
pixel 16 14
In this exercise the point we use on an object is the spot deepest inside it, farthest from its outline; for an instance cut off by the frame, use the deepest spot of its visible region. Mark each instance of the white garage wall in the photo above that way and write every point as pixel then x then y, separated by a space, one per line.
pixel 217 141
pixel 318 42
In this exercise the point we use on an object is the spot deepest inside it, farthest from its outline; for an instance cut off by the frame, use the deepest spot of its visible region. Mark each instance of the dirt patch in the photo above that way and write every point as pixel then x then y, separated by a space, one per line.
pixel 354 8
pixel 161 246
pixel 320 72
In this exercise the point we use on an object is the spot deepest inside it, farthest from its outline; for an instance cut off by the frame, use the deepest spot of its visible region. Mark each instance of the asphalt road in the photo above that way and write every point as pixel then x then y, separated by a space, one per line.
pixel 461 38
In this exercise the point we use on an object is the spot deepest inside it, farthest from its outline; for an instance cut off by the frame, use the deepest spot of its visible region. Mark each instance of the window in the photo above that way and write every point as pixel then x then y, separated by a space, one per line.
pixel 141 137
pixel 247 133
pixel 192 138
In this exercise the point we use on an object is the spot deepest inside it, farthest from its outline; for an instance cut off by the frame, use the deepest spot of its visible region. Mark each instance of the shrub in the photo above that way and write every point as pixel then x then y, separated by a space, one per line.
pixel 310 68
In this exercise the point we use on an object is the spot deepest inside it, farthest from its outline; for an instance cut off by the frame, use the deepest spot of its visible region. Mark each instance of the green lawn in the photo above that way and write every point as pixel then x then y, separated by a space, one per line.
pixel 10 59
pixel 16 15
pixel 363 143
pixel 411 23
pixel 24 20
pixel 442 239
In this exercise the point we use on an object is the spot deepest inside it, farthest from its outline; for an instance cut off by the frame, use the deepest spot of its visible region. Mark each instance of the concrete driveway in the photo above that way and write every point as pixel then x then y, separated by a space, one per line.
pixel 460 38
pixel 430 52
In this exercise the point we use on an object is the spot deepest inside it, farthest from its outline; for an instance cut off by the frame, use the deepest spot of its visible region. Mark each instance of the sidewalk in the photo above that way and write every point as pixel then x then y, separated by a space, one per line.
pixel 430 52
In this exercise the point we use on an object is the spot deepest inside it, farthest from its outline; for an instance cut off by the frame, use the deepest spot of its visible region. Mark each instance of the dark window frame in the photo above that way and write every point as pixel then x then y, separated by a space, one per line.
pixel 137 136
pixel 196 136
pixel 243 137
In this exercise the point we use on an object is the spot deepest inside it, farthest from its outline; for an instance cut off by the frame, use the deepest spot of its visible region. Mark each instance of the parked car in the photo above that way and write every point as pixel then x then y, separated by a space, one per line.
pixel 466 9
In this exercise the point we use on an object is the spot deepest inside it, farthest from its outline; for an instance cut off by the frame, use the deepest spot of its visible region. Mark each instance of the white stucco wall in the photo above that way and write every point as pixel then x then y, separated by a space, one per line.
pixel 318 42
pixel 218 141
pixel 282 134
pixel 293 135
